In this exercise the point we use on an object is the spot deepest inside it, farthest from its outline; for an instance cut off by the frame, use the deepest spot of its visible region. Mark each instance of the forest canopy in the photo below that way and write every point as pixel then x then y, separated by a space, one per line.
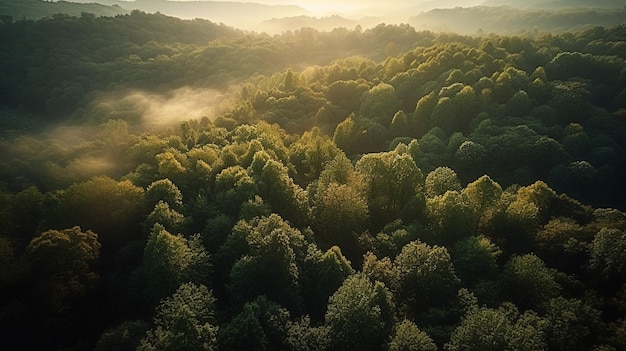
pixel 364 189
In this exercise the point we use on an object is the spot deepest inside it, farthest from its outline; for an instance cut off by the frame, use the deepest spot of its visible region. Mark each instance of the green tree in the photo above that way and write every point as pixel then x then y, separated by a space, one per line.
pixel 483 196
pixel 475 261
pixel 528 283
pixel 399 125
pixel 125 337
pixel 285 197
pixel 380 103
pixel 608 253
pixel 321 275
pixel 261 325
pixel 63 263
pixel 170 219
pixel 488 329
pixel 451 216
pixel 311 153
pixel 345 135
pixel 170 260
pixel 359 315
pixel 166 191
pixel 392 180
pixel 271 266
pixel 233 187
pixel 108 207
pixel 301 336
pixel 426 278
pixel 563 244
pixel 571 324
pixel 420 124
pixel 341 213
pixel 441 180
pixel 408 337
pixel 184 321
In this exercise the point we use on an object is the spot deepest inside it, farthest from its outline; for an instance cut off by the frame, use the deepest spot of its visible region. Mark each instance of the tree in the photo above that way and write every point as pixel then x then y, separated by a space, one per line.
pixel 184 321
pixel 470 160
pixel 125 337
pixel 261 325
pixel 380 103
pixel 399 125
pixel 488 329
pixel 515 228
pixel 170 260
pixel 63 263
pixel 233 187
pixel 169 218
pixel 301 336
pixel 608 253
pixel 408 337
pixel 528 283
pixel 311 153
pixel 166 191
pixel 421 116
pixel 280 191
pixel 563 244
pixel 271 266
pixel 340 215
pixel 483 196
pixel 359 315
pixel 172 164
pixel 392 179
pixel 345 135
pixel 475 260
pixel 108 207
pixel 321 275
pixel 571 324
pixel 451 216
pixel 426 277
pixel 441 180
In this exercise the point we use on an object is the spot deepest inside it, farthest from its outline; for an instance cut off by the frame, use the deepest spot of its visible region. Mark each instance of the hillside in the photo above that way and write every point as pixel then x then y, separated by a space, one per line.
pixel 35 9
pixel 559 4
pixel 483 19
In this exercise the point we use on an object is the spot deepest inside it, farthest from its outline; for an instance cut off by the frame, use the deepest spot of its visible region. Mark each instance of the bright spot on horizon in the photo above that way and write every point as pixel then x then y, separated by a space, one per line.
pixel 335 8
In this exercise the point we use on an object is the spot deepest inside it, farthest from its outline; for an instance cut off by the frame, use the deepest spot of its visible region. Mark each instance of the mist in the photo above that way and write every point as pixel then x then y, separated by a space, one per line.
pixel 158 111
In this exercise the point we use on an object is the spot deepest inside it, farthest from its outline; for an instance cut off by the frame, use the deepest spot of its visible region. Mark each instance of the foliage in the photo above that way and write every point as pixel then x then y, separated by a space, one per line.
pixel 352 189
pixel 184 321
pixel 359 314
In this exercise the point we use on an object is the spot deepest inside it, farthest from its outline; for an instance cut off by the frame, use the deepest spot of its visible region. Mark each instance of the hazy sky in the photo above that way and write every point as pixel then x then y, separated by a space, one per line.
pixel 362 7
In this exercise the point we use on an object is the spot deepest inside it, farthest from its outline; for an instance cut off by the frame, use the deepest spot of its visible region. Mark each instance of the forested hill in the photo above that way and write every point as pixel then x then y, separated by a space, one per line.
pixel 513 20
pixel 552 4
pixel 35 9
pixel 52 67
pixel 381 189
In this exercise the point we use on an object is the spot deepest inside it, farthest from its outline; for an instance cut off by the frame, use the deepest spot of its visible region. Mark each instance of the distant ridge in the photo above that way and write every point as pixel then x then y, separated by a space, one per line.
pixel 558 4
pixel 292 23
pixel 36 9
pixel 509 20
pixel 245 15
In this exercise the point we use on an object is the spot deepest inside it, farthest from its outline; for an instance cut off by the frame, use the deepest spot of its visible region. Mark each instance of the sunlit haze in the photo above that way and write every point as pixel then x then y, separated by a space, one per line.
pixel 364 8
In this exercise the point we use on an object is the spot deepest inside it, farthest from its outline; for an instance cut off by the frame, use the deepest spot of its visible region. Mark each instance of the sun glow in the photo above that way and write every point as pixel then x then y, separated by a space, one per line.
pixel 329 9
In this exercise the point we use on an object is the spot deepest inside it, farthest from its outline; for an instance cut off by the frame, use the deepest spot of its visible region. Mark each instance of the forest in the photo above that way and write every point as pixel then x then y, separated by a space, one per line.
pixel 171 184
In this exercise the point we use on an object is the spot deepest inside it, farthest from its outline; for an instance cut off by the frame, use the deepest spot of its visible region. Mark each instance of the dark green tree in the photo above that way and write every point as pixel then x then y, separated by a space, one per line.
pixel 408 337
pixel 63 263
pixel 498 329
pixel 359 315
pixel 184 321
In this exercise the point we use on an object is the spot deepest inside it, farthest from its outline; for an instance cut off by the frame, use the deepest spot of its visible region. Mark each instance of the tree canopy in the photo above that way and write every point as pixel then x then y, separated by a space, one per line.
pixel 173 184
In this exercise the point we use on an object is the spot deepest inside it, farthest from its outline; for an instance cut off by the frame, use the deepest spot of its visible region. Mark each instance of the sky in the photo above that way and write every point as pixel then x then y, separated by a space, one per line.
pixel 362 7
